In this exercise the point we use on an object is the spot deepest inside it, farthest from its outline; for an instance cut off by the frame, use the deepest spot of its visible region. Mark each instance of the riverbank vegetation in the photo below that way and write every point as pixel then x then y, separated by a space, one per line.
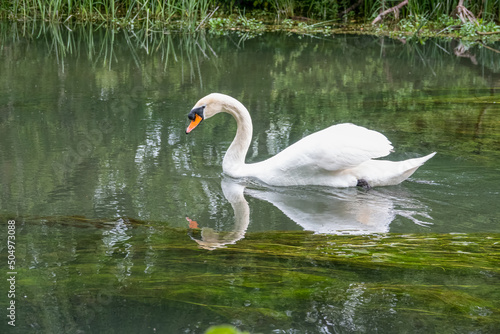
pixel 457 18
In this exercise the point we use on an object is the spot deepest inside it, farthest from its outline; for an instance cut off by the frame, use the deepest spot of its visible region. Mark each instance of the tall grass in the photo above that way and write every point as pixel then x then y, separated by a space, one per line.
pixel 120 12
pixel 189 13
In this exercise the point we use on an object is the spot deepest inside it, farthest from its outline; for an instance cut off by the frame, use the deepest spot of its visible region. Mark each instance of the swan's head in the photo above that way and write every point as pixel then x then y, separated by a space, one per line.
pixel 205 108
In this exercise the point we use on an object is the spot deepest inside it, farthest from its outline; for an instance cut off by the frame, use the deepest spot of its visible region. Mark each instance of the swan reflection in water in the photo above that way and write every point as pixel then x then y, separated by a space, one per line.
pixel 348 211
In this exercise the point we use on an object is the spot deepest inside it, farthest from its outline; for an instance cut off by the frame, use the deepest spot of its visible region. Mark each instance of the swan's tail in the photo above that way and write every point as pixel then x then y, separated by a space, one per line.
pixel 408 167
pixel 389 173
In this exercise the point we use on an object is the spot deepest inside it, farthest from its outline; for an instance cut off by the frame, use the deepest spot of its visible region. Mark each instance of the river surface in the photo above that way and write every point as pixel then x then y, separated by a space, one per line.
pixel 113 201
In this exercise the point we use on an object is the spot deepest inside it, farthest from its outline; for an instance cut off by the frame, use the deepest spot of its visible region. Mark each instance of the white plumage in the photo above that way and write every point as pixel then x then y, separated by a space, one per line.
pixel 338 156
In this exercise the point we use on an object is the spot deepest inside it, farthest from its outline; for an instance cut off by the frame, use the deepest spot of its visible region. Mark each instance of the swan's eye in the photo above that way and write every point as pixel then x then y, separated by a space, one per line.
pixel 196 111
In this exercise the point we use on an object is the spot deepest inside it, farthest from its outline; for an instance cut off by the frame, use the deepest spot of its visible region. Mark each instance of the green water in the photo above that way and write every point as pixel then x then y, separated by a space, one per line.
pixel 101 180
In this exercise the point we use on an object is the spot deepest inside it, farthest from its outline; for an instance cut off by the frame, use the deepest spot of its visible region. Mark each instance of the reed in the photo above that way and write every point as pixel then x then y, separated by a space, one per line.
pixel 188 14
pixel 119 12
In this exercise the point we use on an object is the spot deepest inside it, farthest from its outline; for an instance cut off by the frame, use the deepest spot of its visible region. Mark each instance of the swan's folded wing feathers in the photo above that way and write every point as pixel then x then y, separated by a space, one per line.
pixel 337 147
pixel 349 146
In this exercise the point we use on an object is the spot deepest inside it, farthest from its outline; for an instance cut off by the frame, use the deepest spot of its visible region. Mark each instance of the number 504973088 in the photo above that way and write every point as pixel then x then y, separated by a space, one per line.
pixel 11 244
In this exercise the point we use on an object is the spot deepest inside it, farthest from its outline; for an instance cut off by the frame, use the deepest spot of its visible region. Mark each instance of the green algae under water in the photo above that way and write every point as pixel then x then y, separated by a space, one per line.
pixel 129 276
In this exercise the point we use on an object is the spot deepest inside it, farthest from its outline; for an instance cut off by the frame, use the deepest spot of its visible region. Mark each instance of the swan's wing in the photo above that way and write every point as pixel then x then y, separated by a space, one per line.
pixel 338 147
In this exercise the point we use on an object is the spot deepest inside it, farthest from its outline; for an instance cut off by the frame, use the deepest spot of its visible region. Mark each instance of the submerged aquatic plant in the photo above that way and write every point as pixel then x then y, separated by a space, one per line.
pixel 275 279
pixel 224 329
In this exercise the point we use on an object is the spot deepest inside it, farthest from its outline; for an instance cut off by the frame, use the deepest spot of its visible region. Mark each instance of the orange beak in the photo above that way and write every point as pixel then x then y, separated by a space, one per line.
pixel 194 123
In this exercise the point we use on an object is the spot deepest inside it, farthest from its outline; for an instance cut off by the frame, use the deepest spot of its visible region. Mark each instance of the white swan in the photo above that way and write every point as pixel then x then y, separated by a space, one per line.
pixel 338 156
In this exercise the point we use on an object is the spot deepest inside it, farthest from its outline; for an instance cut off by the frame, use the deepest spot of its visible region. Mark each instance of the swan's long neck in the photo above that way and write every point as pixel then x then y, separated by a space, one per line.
pixel 237 151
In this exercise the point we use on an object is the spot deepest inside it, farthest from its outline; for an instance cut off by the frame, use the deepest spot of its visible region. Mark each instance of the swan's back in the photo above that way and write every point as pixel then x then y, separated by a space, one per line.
pixel 333 149
pixel 340 146
pixel 339 156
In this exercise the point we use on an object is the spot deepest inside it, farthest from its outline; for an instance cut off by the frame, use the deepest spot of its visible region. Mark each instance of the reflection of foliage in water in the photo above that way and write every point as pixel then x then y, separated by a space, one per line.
pixel 109 107
pixel 380 91
pixel 71 279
